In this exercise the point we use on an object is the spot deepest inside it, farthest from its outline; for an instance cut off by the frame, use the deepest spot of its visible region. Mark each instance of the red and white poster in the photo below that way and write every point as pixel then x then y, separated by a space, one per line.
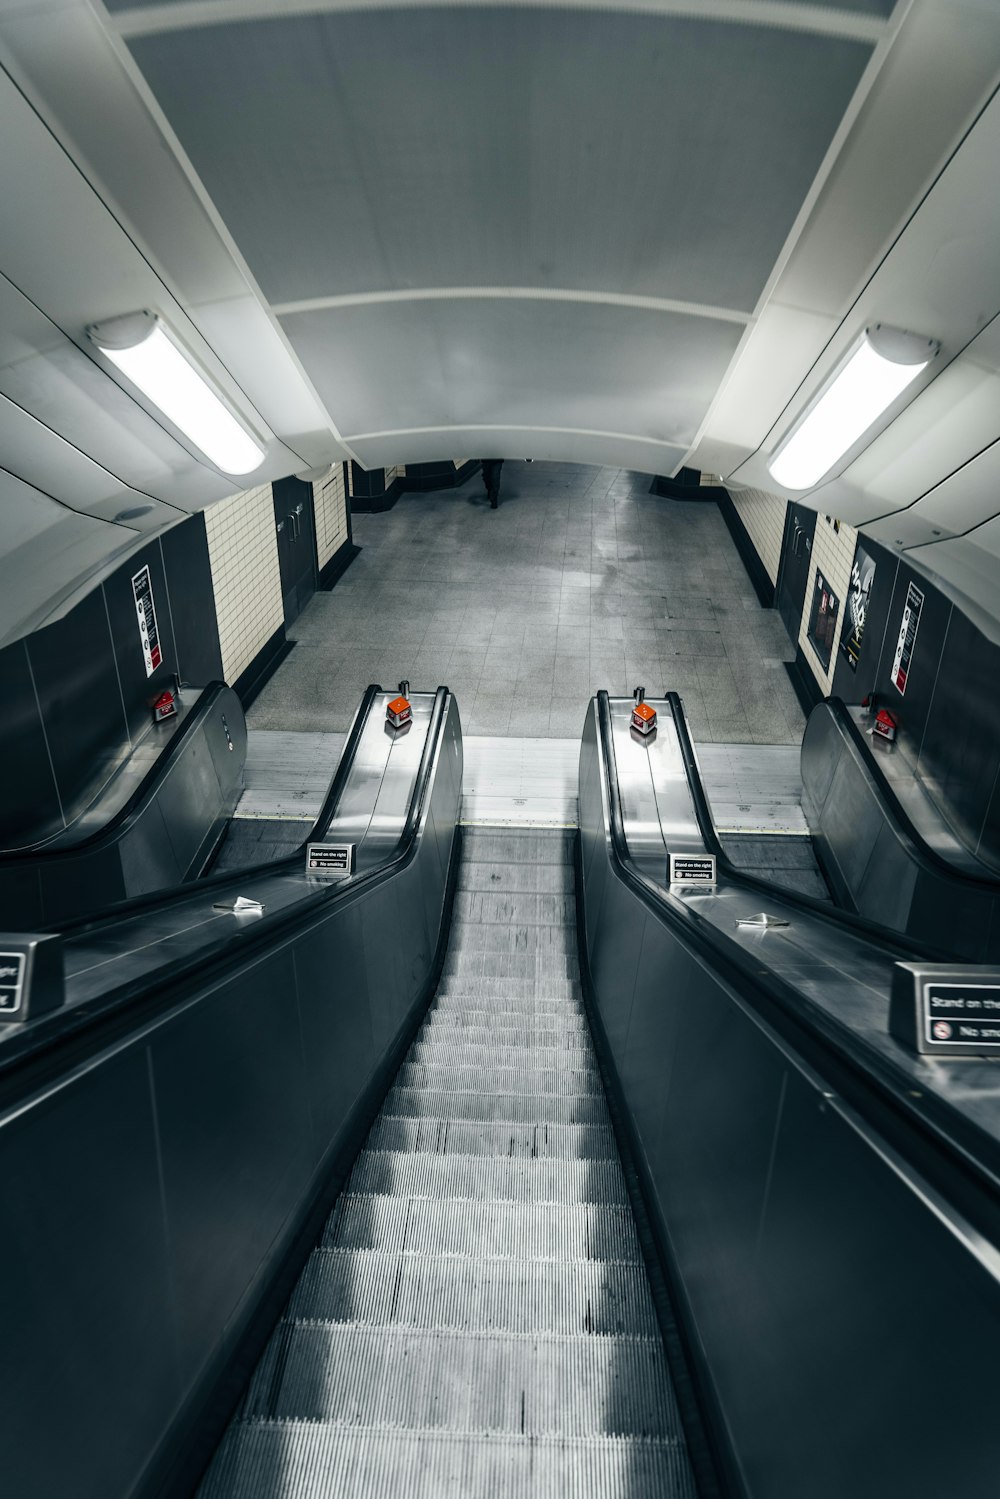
pixel 142 589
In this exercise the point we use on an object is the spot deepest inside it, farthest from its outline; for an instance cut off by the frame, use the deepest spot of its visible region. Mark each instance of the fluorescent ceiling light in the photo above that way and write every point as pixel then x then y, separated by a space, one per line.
pixel 881 367
pixel 144 351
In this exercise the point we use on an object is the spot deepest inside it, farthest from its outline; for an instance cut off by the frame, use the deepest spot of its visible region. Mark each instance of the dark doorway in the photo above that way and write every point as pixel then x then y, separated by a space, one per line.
pixel 295 525
pixel 796 560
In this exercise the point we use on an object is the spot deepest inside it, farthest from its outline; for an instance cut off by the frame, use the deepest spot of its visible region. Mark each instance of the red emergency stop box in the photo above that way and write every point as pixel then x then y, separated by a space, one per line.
pixel 644 718
pixel 885 725
pixel 398 712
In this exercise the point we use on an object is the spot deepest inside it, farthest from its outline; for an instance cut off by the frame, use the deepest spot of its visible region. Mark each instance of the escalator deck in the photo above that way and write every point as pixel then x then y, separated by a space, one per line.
pixel 476 1318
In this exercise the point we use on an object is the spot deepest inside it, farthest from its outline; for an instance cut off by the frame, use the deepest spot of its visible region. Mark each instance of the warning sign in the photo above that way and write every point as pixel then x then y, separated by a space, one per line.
pixel 907 636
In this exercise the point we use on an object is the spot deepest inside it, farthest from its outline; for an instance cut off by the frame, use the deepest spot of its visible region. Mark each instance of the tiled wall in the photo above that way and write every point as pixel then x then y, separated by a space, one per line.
pixel 330 505
pixel 243 551
pixel 398 471
pixel 832 555
pixel 763 515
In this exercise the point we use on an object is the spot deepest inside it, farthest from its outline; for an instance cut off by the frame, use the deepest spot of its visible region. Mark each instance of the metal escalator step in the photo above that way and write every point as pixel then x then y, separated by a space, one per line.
pixel 515 999
pixel 442 1026
pixel 487 1178
pixel 506 907
pixel 445 1102
pixel 514 936
pixel 563 1019
pixel 520 845
pixel 416 1290
pixel 440 1051
pixel 528 967
pixel 565 1142
pixel 518 1230
pixel 565 1081
pixel 487 988
pixel 533 1385
pixel 315 1460
pixel 516 879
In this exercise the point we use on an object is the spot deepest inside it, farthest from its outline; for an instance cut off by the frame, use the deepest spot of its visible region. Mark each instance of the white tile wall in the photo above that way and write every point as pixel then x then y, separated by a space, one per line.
pixel 330 506
pixel 763 515
pixel 243 551
pixel 832 555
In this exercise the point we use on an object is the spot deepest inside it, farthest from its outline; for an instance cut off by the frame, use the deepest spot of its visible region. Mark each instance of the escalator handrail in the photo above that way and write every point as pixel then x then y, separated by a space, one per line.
pixel 63 1037
pixel 176 894
pixel 897 943
pixel 896 814
pixel 869 1082
pixel 143 795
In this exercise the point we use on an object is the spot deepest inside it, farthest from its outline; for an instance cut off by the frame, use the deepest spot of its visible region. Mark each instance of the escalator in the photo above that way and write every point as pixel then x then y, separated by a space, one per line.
pixel 497 1167
pixel 825 1201
pixel 476 1316
pixel 153 817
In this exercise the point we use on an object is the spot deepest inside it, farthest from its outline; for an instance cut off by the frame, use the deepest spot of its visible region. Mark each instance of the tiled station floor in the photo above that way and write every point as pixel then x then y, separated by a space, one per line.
pixel 581 580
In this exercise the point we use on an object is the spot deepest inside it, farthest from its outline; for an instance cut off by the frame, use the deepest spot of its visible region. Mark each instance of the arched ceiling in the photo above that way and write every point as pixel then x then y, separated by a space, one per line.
pixel 637 235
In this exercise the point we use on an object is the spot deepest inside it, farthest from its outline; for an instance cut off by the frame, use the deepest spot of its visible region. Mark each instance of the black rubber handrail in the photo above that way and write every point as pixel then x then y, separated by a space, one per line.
pixel 896 943
pixel 176 894
pixel 905 828
pixel 961 1159
pixel 65 1037
pixel 143 794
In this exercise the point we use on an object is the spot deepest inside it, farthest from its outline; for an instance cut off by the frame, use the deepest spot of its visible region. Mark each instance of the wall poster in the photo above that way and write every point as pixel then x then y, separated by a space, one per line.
pixel 142 590
pixel 823 619
pixel 862 578
pixel 907 636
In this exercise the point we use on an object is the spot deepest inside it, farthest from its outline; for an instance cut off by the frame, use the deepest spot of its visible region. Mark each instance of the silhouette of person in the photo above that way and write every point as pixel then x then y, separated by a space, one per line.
pixel 491 478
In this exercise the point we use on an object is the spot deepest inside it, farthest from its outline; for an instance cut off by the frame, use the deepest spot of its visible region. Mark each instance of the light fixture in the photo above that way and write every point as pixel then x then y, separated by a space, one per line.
pixel 142 347
pixel 877 371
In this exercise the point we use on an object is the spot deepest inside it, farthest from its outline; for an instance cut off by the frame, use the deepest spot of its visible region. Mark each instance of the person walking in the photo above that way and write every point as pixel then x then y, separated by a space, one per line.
pixel 491 478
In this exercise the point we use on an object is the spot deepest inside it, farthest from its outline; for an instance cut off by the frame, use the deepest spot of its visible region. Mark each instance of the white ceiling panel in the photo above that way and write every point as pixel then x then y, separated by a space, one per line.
pixel 582 366
pixel 516 146
pixel 486 442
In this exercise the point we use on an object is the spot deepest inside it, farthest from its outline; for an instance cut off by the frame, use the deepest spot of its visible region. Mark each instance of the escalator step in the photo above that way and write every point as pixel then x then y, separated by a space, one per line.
pixel 314 1460
pixel 444 1027
pixel 538 1386
pixel 566 1142
pixel 510 1080
pixel 477 1102
pixel 497 1022
pixel 415 1290
pixel 514 936
pixel 490 1179
pixel 516 1231
pixel 491 988
pixel 440 1051
pixel 507 907
pixel 519 879
pixel 526 967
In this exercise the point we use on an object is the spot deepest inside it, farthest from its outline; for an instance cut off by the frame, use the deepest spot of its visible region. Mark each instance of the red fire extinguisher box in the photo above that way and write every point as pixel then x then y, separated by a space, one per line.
pixel 885 725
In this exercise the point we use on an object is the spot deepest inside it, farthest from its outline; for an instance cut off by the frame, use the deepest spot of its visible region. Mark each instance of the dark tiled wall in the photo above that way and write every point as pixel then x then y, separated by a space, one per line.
pixel 77 691
pixel 949 716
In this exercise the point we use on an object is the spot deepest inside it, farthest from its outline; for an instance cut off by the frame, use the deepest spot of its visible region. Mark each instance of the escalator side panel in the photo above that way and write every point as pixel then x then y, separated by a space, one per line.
pixel 845 1330
pixel 148 1204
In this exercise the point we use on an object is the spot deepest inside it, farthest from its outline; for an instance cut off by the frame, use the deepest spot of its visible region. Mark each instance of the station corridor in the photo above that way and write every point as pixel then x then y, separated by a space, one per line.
pixel 582 579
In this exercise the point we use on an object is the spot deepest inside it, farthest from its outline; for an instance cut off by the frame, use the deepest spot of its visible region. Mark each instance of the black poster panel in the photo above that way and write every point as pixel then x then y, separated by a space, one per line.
pixel 858 597
pixel 853 685
pixel 74 667
pixel 192 602
pixel 823 615
pixel 29 805
pixel 138 687
pixel 960 749
pixel 913 706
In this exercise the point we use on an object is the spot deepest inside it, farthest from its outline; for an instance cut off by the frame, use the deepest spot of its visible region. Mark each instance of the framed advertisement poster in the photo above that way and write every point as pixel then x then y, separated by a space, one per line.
pixel 149 636
pixel 823 619
pixel 862 578
pixel 908 627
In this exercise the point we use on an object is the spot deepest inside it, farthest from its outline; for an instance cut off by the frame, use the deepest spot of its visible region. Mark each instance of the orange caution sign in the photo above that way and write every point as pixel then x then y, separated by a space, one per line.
pixel 399 711
pixel 643 716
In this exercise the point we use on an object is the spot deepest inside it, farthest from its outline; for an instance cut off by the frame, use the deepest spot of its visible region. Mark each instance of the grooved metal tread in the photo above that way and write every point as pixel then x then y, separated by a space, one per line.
pixel 451 1137
pixel 421 1290
pixel 504 1178
pixel 454 1226
pixel 476 1320
pixel 496 1382
pixel 315 1460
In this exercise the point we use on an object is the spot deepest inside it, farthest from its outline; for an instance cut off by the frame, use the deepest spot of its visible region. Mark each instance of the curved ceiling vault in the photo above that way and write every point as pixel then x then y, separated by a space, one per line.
pixel 636 235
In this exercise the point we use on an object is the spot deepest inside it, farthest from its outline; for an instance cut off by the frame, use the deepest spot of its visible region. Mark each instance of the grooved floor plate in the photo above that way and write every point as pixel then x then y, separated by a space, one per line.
pixel 476 1319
